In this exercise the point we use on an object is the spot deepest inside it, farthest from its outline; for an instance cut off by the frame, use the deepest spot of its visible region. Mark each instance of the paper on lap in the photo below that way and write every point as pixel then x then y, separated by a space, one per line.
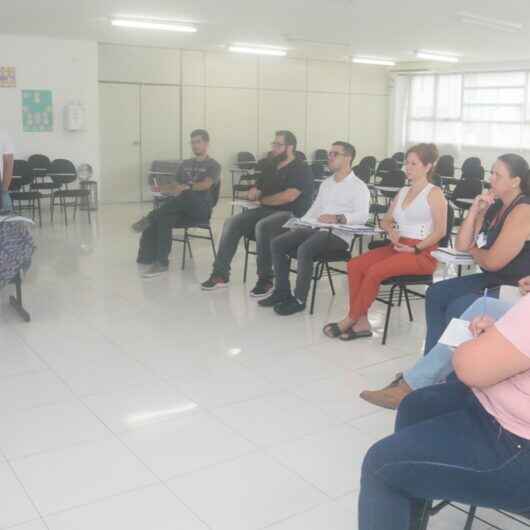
pixel 510 294
pixel 456 333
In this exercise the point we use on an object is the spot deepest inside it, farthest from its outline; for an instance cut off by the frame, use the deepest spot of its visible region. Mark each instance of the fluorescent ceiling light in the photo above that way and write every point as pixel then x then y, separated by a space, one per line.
pixel 491 23
pixel 374 60
pixel 258 50
pixel 435 56
pixel 143 24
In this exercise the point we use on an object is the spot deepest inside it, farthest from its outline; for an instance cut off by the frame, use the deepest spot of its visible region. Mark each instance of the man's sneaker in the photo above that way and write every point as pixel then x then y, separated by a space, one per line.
pixel 155 270
pixel 262 288
pixel 289 307
pixel 274 299
pixel 214 282
pixel 140 225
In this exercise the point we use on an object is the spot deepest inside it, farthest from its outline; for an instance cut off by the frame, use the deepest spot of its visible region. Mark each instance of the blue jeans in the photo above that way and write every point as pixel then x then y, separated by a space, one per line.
pixel 449 299
pixel 6 203
pixel 437 364
pixel 446 446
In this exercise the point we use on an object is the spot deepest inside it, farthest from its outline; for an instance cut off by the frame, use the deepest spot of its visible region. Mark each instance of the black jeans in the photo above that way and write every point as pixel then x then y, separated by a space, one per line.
pixel 266 223
pixel 446 446
pixel 156 240
pixel 308 244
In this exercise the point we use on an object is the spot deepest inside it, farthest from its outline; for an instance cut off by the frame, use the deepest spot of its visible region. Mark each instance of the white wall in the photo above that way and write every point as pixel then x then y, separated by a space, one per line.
pixel 70 70
pixel 242 100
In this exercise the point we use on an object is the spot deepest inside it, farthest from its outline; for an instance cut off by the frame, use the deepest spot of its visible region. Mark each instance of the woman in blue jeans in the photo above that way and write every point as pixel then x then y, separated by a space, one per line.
pixel 466 441
pixel 496 232
pixel 437 365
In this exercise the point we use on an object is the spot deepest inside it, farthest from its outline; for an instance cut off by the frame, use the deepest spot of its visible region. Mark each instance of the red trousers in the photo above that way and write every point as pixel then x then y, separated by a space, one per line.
pixel 366 272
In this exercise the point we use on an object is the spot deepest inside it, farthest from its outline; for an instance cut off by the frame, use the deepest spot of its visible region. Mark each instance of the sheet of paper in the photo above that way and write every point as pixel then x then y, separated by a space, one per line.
pixel 456 333
pixel 510 294
pixel 249 205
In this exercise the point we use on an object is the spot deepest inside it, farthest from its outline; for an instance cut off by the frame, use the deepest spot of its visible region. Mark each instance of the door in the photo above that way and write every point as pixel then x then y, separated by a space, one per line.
pixel 120 142
pixel 160 127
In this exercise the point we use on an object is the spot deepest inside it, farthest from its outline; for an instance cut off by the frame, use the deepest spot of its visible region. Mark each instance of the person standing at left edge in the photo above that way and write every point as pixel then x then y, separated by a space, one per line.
pixel 6 152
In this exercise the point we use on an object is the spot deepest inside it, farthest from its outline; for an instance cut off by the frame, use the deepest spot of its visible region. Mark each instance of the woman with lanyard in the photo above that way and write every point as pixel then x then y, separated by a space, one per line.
pixel 496 232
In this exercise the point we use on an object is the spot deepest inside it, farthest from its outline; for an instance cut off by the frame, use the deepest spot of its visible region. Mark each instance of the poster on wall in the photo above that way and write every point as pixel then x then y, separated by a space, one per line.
pixel 8 77
pixel 37 111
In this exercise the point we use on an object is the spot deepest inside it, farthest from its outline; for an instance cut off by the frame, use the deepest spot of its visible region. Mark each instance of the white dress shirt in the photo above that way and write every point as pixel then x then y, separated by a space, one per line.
pixel 349 197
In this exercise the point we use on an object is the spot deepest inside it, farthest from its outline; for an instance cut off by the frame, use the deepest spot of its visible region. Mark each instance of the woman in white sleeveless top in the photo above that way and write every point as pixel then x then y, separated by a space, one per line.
pixel 415 223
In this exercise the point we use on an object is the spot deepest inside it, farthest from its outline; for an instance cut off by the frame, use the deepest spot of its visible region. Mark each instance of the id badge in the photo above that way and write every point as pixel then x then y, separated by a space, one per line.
pixel 481 240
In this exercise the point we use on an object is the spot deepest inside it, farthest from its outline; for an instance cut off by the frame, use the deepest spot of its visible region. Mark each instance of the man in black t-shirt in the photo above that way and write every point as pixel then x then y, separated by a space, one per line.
pixel 284 189
pixel 190 200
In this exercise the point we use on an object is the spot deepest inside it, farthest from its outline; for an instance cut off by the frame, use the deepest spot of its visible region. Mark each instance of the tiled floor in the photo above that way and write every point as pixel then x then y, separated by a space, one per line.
pixel 131 404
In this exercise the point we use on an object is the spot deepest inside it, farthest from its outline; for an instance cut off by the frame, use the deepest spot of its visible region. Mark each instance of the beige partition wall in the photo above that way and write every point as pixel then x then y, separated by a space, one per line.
pixel 242 100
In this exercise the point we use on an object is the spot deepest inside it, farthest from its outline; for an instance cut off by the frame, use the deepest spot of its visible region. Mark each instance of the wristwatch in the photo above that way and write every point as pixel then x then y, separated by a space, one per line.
pixel 417 250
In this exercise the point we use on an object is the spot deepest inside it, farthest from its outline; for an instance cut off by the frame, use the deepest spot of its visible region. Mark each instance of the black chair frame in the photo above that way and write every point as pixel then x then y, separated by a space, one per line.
pixel 185 239
pixel 430 509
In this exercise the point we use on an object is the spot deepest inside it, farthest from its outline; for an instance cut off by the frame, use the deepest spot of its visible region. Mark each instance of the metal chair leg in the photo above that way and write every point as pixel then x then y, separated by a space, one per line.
pixel 407 300
pixel 52 205
pixel 75 208
pixel 330 278
pixel 16 301
pixel 245 268
pixel 316 275
pixel 40 212
pixel 470 517
pixel 212 241
pixel 185 246
pixel 88 213
pixel 189 248
pixel 388 312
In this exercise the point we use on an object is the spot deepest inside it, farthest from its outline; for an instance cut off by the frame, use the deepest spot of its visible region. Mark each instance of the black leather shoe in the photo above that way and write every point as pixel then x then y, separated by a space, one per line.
pixel 274 299
pixel 289 307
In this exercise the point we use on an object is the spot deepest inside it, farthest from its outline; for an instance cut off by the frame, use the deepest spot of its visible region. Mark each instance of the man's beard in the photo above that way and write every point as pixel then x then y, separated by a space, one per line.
pixel 278 159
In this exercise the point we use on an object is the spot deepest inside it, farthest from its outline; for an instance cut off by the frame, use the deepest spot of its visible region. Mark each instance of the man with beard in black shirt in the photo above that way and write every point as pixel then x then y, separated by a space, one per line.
pixel 284 189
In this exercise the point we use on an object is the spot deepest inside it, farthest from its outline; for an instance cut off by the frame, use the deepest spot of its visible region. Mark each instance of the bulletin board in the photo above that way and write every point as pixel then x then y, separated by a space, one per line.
pixel 8 77
pixel 37 111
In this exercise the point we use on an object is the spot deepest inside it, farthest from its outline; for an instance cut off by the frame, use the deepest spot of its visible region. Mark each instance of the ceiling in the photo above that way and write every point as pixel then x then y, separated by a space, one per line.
pixel 332 29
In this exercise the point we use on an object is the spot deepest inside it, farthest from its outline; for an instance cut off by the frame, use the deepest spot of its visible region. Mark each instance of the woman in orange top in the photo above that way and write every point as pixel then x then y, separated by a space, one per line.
pixel 415 223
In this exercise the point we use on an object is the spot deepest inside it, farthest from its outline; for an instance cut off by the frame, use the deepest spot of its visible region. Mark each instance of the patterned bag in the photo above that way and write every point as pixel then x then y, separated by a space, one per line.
pixel 16 249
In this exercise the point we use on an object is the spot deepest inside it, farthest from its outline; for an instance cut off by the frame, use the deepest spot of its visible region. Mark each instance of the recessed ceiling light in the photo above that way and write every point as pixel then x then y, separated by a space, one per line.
pixel 144 24
pixel 374 60
pixel 258 50
pixel 436 56
pixel 491 23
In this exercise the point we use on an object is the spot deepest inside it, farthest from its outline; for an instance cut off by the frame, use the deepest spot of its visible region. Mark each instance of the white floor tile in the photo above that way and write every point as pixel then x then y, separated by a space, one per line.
pixel 33 525
pixel 15 504
pixel 24 432
pixel 16 358
pixel 331 461
pixel 80 474
pixel 274 419
pixel 378 425
pixel 31 390
pixel 191 442
pixel 153 508
pixel 334 515
pixel 137 406
pixel 247 494
pixel 338 397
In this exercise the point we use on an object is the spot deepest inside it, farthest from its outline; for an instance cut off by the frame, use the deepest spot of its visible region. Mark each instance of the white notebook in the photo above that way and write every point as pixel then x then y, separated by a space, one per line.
pixel 456 333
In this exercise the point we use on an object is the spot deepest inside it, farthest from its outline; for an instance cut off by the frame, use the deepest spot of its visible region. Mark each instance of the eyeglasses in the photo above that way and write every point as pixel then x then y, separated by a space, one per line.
pixel 335 154
pixel 277 144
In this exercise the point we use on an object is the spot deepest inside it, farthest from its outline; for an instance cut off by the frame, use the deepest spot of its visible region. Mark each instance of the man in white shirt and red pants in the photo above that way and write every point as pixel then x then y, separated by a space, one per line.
pixel 342 199
pixel 6 168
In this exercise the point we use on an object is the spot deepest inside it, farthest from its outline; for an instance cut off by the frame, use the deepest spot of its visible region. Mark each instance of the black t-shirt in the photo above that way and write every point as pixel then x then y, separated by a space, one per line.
pixel 296 174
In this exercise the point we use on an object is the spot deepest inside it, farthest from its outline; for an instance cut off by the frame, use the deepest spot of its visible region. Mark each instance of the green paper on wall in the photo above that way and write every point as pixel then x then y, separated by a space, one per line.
pixel 37 111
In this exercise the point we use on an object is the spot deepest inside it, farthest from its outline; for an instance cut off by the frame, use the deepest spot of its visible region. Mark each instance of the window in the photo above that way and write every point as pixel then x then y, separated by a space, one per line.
pixel 470 109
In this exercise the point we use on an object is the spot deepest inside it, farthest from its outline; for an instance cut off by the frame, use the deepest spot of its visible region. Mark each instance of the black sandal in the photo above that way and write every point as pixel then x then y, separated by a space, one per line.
pixel 352 335
pixel 334 329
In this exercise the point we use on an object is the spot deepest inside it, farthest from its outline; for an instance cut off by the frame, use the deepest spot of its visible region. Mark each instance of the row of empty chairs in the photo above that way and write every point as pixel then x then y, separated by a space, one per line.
pixel 39 178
